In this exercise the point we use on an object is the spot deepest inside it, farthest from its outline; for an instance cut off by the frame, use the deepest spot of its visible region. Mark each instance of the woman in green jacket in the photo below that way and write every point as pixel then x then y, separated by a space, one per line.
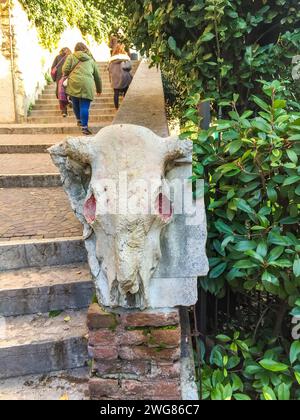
pixel 82 72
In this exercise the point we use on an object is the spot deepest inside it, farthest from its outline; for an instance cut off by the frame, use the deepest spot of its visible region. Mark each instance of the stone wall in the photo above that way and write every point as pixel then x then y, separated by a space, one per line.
pixel 136 355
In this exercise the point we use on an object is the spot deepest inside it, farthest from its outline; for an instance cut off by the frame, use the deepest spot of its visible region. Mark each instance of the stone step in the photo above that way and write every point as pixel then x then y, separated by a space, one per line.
pixel 51 128
pixel 28 143
pixel 49 104
pixel 55 107
pixel 36 213
pixel 24 164
pixel 28 171
pixel 17 254
pixel 104 98
pixel 52 94
pixel 33 344
pixel 69 384
pixel 52 88
pixel 101 118
pixel 104 110
pixel 40 290
pixel 46 180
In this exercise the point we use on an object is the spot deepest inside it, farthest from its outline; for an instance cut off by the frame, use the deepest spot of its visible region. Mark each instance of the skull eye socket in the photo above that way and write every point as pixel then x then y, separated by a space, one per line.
pixel 164 207
pixel 89 209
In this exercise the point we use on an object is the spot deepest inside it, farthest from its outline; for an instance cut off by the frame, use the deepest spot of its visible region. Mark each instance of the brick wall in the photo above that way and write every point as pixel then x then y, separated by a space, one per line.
pixel 136 355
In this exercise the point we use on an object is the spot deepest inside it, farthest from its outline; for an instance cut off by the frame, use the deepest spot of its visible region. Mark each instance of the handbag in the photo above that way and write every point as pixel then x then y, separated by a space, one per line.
pixel 66 78
pixel 55 69
pixel 126 66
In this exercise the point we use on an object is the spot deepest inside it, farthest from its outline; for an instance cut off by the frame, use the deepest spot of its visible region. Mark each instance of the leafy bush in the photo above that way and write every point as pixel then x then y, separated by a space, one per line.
pixel 252 172
pixel 245 370
pixel 217 47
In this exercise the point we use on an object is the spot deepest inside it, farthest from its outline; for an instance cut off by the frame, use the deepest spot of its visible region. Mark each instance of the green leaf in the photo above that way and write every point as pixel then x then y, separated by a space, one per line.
pixel 283 392
pixel 234 146
pixel 218 271
pixel 261 103
pixel 244 206
pixel 272 194
pixel 273 366
pixel 292 156
pixel 255 255
pixel 283 263
pixel 172 43
pixel 270 278
pixel 275 253
pixel 245 264
pixel 296 267
pixel 291 180
pixel 223 338
pixel 241 397
pixel 294 351
pixel 223 228
pixel 245 246
pixel 269 394
pixel 279 103
pixel 297 376
pixel 295 137
pixel 262 249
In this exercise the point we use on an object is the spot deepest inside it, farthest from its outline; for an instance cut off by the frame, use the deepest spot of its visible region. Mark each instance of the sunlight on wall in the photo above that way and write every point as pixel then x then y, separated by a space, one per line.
pixel 7 109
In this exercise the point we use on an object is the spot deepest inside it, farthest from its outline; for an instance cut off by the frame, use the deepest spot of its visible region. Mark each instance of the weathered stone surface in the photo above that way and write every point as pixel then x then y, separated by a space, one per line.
pixel 168 337
pixel 100 388
pixel 150 318
pixel 98 318
pixel 103 337
pixel 122 367
pixel 176 292
pixel 167 370
pixel 149 389
pixel 145 353
pixel 103 352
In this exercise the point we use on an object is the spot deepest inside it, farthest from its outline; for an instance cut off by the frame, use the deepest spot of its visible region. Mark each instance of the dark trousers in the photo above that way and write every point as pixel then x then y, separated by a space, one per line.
pixel 81 108
pixel 117 94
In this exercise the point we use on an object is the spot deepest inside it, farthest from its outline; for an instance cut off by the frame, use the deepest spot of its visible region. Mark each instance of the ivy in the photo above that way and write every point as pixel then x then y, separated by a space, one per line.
pixel 97 18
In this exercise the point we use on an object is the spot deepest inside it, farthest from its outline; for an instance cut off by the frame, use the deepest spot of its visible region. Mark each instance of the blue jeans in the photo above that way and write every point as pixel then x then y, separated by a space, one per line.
pixel 81 108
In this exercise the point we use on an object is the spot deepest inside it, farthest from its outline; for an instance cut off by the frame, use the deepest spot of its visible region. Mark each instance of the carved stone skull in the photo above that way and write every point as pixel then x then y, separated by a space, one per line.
pixel 107 179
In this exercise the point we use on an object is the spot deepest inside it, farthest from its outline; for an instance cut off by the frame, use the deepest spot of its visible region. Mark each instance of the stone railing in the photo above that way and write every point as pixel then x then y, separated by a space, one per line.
pixel 145 263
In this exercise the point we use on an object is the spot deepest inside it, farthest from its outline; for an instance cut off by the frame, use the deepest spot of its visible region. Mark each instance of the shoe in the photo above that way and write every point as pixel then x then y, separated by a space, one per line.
pixel 79 123
pixel 86 131
pixel 64 115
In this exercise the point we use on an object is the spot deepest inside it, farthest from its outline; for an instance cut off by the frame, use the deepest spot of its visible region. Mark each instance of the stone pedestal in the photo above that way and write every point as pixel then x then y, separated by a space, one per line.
pixel 136 355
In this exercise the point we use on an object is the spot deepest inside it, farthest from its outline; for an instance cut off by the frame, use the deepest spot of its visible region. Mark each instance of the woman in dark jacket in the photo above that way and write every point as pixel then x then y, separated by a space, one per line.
pixel 119 72
pixel 57 74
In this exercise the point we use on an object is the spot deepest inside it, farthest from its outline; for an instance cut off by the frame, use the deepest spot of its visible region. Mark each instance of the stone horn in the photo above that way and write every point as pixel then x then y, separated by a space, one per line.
pixel 174 148
pixel 78 149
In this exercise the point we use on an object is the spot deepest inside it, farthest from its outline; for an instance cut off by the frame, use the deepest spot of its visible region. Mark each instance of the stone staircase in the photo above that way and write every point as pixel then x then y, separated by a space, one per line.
pixel 45 284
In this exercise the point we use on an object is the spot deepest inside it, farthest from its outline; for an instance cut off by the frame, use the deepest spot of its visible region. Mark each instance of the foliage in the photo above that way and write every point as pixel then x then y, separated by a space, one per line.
pixel 92 17
pixel 245 370
pixel 252 172
pixel 217 47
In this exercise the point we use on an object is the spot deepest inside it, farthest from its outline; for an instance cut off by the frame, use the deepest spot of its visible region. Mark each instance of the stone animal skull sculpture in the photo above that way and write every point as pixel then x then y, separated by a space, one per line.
pixel 123 247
